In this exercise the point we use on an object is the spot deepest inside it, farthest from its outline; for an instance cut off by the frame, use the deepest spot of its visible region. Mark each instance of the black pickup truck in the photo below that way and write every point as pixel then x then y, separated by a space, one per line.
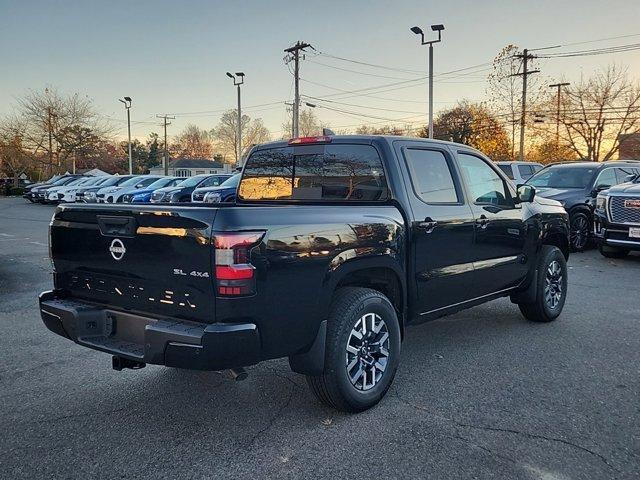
pixel 333 247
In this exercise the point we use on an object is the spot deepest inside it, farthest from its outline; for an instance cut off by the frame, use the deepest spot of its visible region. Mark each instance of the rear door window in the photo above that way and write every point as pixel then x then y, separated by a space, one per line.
pixel 431 176
pixel 314 172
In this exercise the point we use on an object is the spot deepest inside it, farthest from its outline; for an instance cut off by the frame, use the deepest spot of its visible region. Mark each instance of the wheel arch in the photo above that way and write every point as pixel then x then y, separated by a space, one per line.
pixel 381 273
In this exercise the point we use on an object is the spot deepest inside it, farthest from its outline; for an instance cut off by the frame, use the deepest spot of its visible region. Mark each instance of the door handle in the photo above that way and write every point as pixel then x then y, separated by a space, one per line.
pixel 428 225
pixel 482 222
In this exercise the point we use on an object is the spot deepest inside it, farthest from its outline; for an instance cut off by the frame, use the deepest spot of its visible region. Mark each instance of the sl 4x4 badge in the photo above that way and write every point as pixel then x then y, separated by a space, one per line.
pixel 193 273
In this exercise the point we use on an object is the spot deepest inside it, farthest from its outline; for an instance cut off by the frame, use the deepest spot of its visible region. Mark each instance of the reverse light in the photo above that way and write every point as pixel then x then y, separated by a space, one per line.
pixel 308 140
pixel 234 273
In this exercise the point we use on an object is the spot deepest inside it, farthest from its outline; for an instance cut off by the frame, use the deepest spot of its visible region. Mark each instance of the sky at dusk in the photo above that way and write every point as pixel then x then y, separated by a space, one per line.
pixel 171 57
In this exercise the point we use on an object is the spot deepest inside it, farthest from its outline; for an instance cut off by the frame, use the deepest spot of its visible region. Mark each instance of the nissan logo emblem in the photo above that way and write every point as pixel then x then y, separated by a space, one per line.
pixel 117 249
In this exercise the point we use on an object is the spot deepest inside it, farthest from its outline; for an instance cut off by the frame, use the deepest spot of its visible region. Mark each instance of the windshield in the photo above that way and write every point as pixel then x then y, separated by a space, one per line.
pixel 62 181
pixel 53 179
pixel 563 177
pixel 131 182
pixel 191 182
pixel 232 182
pixel 77 181
pixel 102 181
pixel 161 182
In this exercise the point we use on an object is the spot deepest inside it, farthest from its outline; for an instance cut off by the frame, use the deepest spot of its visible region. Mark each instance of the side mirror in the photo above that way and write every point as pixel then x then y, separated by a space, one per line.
pixel 598 189
pixel 526 193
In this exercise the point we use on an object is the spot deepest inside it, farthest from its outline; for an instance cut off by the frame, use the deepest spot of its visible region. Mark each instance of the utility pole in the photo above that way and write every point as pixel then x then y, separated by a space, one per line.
pixel 526 56
pixel 238 79
pixel 559 87
pixel 50 128
pixel 294 53
pixel 164 124
pixel 418 31
pixel 289 107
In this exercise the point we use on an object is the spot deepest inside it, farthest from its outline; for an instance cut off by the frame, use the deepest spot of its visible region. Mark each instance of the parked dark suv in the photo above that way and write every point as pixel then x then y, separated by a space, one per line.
pixel 576 185
pixel 617 219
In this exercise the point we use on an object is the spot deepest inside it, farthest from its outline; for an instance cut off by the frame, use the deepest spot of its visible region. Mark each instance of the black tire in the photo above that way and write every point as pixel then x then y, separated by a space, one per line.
pixel 549 302
pixel 580 230
pixel 613 252
pixel 335 387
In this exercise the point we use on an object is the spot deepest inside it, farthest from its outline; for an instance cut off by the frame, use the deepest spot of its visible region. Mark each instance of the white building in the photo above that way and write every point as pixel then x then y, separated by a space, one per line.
pixel 187 167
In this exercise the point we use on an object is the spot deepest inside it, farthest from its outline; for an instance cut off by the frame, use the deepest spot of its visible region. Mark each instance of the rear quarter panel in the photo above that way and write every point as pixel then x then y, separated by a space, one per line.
pixel 305 251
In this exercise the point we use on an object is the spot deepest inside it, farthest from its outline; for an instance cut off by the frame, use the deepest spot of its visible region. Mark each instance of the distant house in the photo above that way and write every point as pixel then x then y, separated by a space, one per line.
pixel 187 167
pixel 629 146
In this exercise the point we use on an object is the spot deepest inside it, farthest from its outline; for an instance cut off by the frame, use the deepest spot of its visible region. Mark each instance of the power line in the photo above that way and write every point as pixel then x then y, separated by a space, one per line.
pixel 384 67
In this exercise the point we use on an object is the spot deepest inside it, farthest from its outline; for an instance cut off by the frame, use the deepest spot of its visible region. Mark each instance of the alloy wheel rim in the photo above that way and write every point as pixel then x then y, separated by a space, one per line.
pixel 579 232
pixel 553 287
pixel 367 351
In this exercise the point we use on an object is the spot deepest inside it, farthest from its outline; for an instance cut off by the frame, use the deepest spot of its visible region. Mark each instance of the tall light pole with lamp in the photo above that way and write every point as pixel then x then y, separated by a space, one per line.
pixel 238 79
pixel 127 105
pixel 418 31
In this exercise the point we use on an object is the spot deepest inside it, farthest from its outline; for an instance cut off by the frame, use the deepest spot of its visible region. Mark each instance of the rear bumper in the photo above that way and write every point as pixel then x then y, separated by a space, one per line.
pixel 174 343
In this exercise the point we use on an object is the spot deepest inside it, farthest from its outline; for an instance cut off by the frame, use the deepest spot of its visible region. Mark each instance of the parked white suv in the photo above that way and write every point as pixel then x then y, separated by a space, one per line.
pixel 519 172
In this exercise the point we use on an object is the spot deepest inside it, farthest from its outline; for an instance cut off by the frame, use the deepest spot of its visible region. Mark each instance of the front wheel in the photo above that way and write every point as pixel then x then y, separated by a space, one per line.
pixel 362 350
pixel 580 229
pixel 551 287
pixel 612 252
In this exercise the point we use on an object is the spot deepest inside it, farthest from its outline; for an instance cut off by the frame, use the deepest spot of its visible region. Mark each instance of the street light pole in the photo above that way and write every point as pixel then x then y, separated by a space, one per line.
pixel 418 31
pixel 127 106
pixel 237 83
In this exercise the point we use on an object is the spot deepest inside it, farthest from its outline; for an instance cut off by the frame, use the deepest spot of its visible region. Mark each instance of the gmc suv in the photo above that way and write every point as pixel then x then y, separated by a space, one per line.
pixel 617 220
pixel 335 245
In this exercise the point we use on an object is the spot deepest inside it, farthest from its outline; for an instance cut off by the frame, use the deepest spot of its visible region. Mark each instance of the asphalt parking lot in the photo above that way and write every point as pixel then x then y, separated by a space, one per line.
pixel 482 394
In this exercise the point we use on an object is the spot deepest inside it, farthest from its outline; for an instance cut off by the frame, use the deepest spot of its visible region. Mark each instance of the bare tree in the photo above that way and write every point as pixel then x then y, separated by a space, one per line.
pixel 225 134
pixel 595 112
pixel 52 127
pixel 309 125
pixel 13 162
pixel 193 142
pixel 505 92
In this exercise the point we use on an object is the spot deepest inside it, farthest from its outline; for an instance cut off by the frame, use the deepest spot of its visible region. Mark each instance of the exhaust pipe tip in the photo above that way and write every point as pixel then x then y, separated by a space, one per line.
pixel 120 363
pixel 238 374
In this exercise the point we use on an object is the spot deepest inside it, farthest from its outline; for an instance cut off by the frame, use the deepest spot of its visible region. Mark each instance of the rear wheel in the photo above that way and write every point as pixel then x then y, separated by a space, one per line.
pixel 362 351
pixel 580 228
pixel 613 252
pixel 551 288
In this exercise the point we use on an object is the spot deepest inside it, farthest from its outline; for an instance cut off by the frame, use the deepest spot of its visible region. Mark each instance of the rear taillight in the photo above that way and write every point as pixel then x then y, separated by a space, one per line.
pixel 234 274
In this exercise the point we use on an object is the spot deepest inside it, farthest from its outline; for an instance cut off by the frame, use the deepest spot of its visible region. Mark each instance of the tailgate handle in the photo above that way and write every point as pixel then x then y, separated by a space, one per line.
pixel 117 226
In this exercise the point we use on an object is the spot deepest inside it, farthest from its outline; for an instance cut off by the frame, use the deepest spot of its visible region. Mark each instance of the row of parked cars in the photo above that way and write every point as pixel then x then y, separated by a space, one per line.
pixel 134 189
pixel 602 199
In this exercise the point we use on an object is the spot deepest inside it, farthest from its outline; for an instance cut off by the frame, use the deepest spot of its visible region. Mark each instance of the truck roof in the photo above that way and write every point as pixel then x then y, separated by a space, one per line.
pixel 367 139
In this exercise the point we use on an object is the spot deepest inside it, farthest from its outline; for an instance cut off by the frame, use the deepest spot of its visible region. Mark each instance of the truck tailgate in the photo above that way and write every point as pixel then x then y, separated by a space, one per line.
pixel 148 259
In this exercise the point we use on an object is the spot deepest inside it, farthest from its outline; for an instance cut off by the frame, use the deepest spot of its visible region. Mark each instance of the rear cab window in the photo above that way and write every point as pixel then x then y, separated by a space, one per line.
pixel 319 172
